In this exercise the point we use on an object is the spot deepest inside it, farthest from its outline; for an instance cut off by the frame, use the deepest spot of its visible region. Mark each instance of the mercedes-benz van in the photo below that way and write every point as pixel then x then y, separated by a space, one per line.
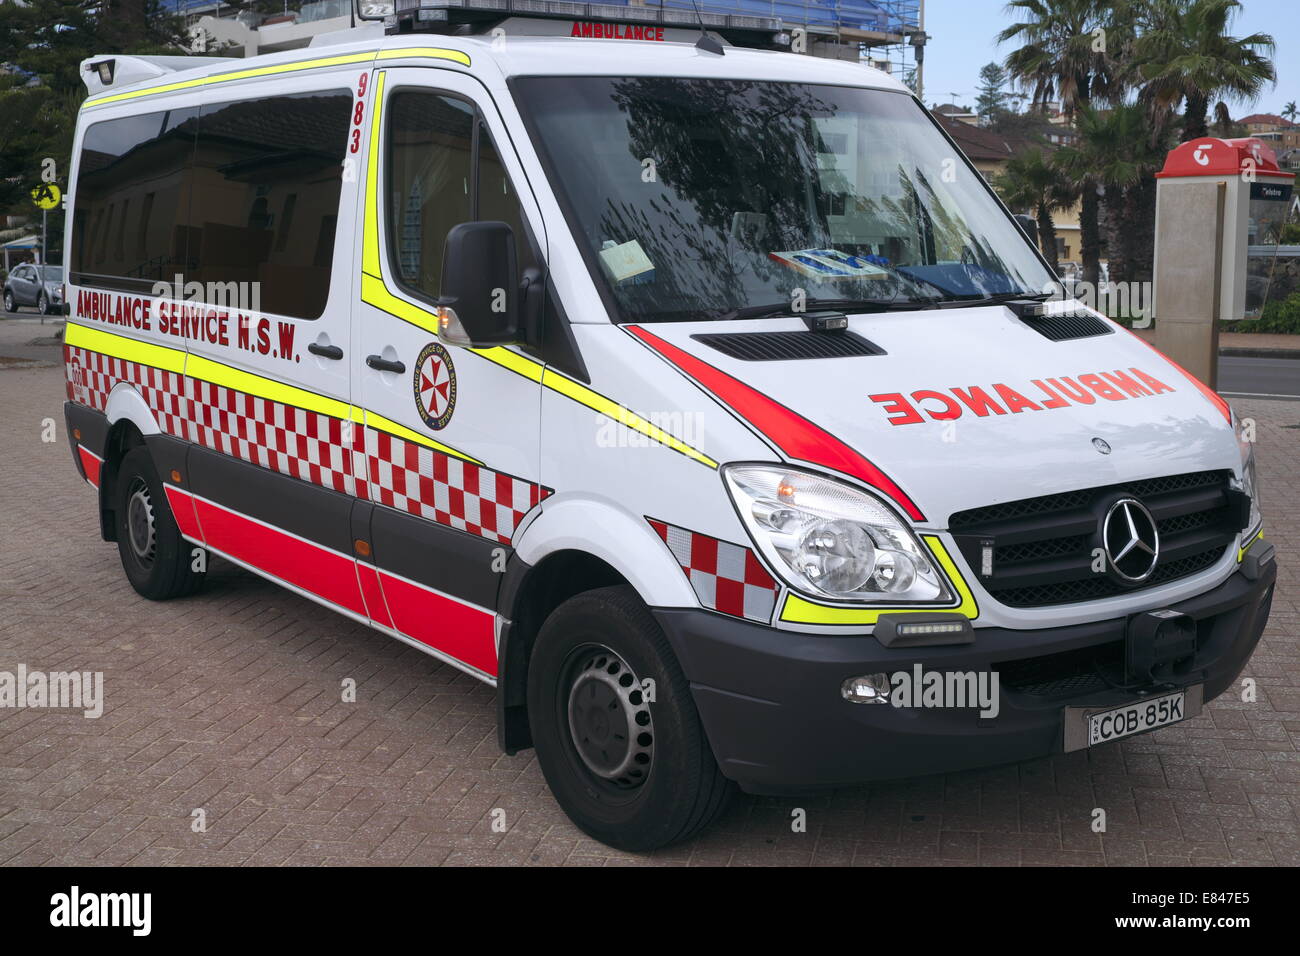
pixel 701 398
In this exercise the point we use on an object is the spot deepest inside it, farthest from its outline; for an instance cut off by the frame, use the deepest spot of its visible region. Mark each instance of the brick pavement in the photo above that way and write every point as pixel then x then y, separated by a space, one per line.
pixel 230 702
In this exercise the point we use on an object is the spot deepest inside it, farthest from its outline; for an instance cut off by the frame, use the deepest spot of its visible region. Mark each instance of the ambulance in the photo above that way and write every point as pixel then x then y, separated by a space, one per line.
pixel 697 395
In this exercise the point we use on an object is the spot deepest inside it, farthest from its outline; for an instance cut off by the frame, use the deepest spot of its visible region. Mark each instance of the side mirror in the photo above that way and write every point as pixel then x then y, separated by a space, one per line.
pixel 479 305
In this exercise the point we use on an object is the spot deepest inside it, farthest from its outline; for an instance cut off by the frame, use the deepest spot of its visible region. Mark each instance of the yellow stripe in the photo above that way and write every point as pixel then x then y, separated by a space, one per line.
pixel 320 63
pixel 370 229
pixel 416 52
pixel 122 347
pixel 798 610
pixel 262 387
pixel 259 386
pixel 594 400
pixel 1241 551
pixel 375 420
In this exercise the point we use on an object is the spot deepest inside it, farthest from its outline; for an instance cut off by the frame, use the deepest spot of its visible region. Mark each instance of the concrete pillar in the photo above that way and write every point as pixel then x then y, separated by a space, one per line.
pixel 1188 269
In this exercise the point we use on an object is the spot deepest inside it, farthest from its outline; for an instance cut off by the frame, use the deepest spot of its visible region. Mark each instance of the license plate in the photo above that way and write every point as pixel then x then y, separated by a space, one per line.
pixel 1088 727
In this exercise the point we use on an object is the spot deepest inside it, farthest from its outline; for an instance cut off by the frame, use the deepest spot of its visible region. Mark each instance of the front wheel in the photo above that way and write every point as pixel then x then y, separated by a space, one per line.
pixel 158 562
pixel 617 734
pixel 43 304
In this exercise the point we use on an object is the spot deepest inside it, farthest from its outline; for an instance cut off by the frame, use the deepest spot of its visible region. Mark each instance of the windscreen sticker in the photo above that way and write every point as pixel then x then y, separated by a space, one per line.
pixel 947 404
pixel 625 261
pixel 830 264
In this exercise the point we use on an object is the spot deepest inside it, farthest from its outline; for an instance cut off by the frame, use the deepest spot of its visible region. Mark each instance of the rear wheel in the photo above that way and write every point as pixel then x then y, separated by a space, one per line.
pixel 617 734
pixel 158 562
pixel 11 304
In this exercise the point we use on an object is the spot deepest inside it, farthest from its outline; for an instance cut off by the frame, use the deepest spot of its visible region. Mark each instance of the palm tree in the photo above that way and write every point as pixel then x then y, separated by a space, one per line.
pixel 1057 59
pixel 1186 55
pixel 1033 183
pixel 1290 112
pixel 1115 147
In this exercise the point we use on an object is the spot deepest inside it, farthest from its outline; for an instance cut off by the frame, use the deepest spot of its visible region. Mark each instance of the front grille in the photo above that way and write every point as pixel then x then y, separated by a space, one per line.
pixel 781 346
pixel 1042 548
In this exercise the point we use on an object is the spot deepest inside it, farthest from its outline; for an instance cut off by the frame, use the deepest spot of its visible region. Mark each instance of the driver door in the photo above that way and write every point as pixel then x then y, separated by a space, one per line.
pixel 451 435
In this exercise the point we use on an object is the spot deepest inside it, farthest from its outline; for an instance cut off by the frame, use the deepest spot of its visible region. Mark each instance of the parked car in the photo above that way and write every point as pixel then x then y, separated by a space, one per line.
pixel 41 286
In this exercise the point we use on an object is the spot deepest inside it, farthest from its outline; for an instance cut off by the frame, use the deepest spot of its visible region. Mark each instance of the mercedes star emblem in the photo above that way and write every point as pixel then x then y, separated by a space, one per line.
pixel 1131 540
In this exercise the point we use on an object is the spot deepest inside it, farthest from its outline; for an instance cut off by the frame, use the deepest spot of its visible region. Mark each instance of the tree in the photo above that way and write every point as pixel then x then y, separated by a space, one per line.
pixel 1032 183
pixel 1115 151
pixel 1290 112
pixel 1059 57
pixel 1186 55
pixel 42 44
pixel 992 99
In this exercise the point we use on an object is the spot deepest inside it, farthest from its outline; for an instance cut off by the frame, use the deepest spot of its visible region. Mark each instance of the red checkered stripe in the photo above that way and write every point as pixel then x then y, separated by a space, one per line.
pixel 315 447
pixel 91 377
pixel 726 577
pixel 419 480
pixel 284 438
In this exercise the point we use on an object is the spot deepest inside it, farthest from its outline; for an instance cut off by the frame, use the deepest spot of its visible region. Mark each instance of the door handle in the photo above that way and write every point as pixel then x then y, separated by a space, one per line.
pixel 325 351
pixel 384 365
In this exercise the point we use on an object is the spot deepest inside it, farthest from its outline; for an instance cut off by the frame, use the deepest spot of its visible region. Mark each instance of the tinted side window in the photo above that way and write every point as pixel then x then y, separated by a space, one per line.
pixel 430 138
pixel 267 175
pixel 133 180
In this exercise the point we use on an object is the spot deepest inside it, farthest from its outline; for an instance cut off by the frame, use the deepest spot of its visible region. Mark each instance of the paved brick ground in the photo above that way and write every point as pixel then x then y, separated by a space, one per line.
pixel 230 702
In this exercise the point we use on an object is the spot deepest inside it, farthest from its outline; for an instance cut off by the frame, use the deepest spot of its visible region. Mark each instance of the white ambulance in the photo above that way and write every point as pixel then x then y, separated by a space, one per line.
pixel 697 395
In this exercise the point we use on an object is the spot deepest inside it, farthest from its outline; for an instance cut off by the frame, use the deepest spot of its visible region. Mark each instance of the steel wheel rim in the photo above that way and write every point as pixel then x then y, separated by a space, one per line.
pixel 142 532
pixel 610 726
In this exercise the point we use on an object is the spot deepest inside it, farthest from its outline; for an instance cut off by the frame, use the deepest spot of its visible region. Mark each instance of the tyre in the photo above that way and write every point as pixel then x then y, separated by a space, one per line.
pixel 11 304
pixel 158 562
pixel 633 773
pixel 43 303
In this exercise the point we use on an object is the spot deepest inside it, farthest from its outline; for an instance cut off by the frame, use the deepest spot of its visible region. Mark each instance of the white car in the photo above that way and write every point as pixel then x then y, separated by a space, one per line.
pixel 699 397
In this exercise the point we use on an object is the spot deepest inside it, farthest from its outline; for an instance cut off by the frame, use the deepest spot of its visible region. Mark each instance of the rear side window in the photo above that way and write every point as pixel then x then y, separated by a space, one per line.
pixel 246 192
pixel 265 203
pixel 133 185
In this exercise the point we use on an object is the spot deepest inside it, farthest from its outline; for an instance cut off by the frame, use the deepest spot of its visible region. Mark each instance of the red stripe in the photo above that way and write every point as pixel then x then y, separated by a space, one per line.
pixel 373 595
pixel 182 505
pixel 789 431
pixel 90 465
pixel 464 632
pixel 319 571
pixel 1215 398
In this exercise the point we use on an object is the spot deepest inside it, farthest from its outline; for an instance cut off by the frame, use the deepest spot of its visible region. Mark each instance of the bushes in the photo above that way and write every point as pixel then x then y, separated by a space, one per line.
pixel 1279 316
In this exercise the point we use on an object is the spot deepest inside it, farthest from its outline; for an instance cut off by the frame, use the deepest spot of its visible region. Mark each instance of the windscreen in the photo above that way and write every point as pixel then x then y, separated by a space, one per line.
pixel 701 199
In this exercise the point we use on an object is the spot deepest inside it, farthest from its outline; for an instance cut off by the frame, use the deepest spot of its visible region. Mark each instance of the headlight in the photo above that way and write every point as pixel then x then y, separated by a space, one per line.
pixel 1250 485
pixel 830 539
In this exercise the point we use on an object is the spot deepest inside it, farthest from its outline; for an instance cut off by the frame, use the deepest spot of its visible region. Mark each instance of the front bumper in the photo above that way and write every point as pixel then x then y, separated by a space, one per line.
pixel 772 708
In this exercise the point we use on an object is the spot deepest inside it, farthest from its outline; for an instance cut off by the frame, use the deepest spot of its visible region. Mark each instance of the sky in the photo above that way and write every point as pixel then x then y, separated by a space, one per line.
pixel 963 32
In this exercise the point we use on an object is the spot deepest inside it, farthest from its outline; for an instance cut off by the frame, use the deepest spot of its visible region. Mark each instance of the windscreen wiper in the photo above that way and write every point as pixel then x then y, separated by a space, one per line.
pixel 845 305
pixel 995 298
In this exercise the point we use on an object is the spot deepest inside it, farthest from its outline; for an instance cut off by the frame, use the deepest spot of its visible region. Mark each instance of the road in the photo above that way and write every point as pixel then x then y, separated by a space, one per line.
pixel 1259 376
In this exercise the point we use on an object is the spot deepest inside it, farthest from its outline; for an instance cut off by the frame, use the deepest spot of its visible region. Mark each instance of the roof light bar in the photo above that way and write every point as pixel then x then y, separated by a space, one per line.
pixel 444 14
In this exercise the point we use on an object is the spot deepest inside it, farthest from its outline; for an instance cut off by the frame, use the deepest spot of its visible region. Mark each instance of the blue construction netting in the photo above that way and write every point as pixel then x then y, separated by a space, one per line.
pixel 882 16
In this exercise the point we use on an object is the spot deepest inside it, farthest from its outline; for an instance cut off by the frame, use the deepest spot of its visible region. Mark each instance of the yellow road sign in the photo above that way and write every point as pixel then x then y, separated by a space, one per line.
pixel 47 196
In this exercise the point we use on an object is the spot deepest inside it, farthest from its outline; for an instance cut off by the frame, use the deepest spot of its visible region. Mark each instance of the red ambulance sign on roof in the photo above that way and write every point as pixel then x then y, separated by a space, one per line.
pixel 1208 156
